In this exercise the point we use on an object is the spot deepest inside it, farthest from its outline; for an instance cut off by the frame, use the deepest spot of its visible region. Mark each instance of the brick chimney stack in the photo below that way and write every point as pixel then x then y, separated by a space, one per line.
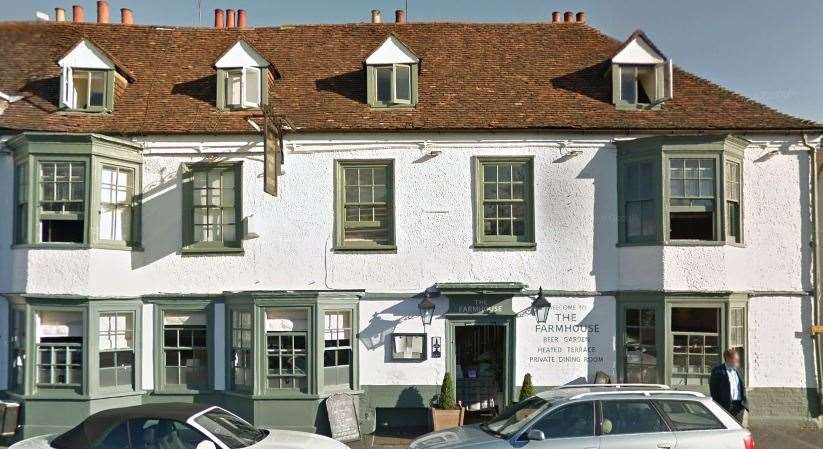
pixel 231 18
pixel 568 17
pixel 126 16
pixel 400 16
pixel 581 17
pixel 102 11
pixel 242 19
pixel 375 16
pixel 555 16
pixel 219 18
pixel 77 14
pixel 59 14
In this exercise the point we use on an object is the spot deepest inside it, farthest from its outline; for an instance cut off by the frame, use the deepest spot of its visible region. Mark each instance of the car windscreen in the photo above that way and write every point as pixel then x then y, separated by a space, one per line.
pixel 515 417
pixel 229 429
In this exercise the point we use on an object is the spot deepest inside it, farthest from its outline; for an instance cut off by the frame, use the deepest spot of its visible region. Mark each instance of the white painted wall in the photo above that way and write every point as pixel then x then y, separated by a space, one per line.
pixel 148 359
pixel 781 351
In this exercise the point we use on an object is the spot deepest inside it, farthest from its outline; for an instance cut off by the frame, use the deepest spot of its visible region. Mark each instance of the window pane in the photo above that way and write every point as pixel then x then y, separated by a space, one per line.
pixel 80 85
pixel 689 415
pixel 628 84
pixel 505 203
pixel 575 420
pixel 403 83
pixel 98 88
pixel 366 204
pixel 384 78
pixel 627 417
pixel 233 88
pixel 253 86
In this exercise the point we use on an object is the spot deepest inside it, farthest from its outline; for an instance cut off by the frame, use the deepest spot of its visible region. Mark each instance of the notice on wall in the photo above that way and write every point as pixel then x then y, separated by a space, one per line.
pixel 576 341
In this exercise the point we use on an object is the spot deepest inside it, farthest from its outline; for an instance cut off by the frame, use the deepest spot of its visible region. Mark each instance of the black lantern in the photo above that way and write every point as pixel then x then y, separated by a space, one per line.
pixel 426 308
pixel 541 307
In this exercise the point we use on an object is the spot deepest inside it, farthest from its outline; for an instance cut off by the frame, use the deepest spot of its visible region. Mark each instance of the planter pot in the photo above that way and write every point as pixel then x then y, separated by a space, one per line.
pixel 446 419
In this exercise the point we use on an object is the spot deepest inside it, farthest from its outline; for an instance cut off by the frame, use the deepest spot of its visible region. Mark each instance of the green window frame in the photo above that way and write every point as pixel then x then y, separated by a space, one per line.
pixel 87 90
pixel 241 338
pixel 213 207
pixel 504 202
pixel 184 337
pixel 115 348
pixel 252 88
pixel 688 336
pixel 60 188
pixel 288 352
pixel 60 362
pixel 392 85
pixel 681 190
pixel 338 349
pixel 17 356
pixel 364 213
pixel 116 203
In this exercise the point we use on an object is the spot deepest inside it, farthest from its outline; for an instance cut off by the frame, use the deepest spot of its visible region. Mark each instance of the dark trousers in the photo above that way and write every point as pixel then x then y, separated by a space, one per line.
pixel 737 411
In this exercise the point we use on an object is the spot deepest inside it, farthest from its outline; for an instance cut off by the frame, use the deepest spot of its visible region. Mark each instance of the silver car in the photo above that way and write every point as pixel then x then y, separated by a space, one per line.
pixel 602 417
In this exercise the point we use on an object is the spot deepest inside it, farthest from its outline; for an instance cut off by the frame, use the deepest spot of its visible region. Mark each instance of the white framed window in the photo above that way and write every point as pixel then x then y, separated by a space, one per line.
pixel 84 89
pixel 243 87
pixel 116 193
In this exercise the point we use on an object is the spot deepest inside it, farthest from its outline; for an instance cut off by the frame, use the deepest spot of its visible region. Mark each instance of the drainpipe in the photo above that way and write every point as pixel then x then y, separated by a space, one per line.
pixel 817 317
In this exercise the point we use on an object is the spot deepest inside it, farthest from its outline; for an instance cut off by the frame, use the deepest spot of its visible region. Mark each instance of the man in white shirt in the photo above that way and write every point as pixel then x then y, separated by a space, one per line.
pixel 727 386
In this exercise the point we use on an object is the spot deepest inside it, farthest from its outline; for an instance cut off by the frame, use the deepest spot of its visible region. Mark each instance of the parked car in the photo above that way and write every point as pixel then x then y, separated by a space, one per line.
pixel 602 417
pixel 174 426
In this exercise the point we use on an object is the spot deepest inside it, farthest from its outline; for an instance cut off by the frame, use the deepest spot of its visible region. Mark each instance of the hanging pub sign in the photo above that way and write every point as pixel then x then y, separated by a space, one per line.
pixel 342 414
pixel 272 150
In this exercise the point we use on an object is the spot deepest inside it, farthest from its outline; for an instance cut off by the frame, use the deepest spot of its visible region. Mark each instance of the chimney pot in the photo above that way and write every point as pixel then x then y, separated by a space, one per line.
pixel 77 14
pixel 400 16
pixel 219 18
pixel 231 18
pixel 568 16
pixel 102 11
pixel 242 19
pixel 555 16
pixel 126 16
pixel 581 17
pixel 59 14
pixel 375 16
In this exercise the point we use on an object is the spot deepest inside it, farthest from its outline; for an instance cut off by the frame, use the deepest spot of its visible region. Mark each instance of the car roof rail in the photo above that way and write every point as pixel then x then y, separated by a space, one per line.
pixel 616 386
pixel 646 393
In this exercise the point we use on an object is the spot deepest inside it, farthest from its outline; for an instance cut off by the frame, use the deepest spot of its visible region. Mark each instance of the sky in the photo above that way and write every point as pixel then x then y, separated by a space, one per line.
pixel 768 50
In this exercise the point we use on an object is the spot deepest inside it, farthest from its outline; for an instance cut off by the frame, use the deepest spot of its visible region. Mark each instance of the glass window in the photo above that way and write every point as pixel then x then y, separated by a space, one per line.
pixel 574 420
pixel 637 84
pixel 626 417
pixel 393 84
pixel 62 201
pixel 691 199
pixel 116 346
pixel 252 86
pixel 638 196
pixel 287 335
pixel 737 334
pixel 232 431
pixel 18 349
pixel 695 344
pixel 384 84
pixel 402 83
pixel 234 88
pixel 689 415
pixel 337 352
pixel 22 203
pixel 89 88
pixel 162 434
pixel 640 345
pixel 505 201
pixel 733 193
pixel 116 193
pixel 367 204
pixel 241 347
pixel 59 346
pixel 215 208
pixel 185 349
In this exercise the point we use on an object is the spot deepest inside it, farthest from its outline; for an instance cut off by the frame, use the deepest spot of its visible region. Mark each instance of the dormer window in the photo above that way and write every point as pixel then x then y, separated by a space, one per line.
pixel 641 75
pixel 391 75
pixel 242 78
pixel 88 76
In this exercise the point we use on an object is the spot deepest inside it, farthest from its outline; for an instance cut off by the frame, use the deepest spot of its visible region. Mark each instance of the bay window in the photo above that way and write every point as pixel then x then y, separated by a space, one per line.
pixel 695 344
pixel 59 348
pixel 21 210
pixel 62 205
pixel 185 351
pixel 287 351
pixel 680 190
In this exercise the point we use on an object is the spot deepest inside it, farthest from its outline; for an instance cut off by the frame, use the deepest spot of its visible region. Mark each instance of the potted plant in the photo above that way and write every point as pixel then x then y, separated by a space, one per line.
pixel 446 413
pixel 527 390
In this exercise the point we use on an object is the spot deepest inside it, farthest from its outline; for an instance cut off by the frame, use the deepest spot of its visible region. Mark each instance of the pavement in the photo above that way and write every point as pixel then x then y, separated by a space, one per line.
pixel 764 438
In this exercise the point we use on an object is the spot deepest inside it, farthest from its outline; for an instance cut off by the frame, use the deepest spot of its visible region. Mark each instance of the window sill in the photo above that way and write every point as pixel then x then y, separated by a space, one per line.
pixel 181 392
pixel 214 250
pixel 391 249
pixel 330 392
pixel 696 243
pixel 393 107
pixel 76 246
pixel 505 245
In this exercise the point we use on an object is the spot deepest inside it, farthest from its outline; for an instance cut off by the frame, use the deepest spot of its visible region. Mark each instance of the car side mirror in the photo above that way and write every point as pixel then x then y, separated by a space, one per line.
pixel 206 444
pixel 533 435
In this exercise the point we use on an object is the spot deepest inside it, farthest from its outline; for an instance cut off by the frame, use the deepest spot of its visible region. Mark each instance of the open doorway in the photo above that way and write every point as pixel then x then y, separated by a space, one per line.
pixel 480 369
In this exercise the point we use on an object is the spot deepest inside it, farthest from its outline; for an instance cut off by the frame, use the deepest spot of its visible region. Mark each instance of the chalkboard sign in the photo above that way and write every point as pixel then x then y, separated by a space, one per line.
pixel 343 417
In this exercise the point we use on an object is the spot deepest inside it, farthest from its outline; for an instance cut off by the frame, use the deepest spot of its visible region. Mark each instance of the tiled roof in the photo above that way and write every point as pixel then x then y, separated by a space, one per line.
pixel 472 76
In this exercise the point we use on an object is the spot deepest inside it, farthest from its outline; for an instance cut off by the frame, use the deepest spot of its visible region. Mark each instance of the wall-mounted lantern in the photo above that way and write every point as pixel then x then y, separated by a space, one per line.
pixel 541 307
pixel 426 308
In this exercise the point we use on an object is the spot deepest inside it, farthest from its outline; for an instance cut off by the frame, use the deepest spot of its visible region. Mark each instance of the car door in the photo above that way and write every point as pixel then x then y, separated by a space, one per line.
pixel 633 424
pixel 571 426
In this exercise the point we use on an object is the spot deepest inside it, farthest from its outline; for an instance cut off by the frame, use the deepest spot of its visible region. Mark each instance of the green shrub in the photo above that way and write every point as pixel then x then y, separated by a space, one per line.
pixel 447 398
pixel 527 390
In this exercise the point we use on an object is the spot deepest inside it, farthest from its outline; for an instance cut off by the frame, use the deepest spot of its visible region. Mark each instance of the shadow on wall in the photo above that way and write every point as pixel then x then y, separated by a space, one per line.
pixel 161 220
pixel 381 325
pixel 410 397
